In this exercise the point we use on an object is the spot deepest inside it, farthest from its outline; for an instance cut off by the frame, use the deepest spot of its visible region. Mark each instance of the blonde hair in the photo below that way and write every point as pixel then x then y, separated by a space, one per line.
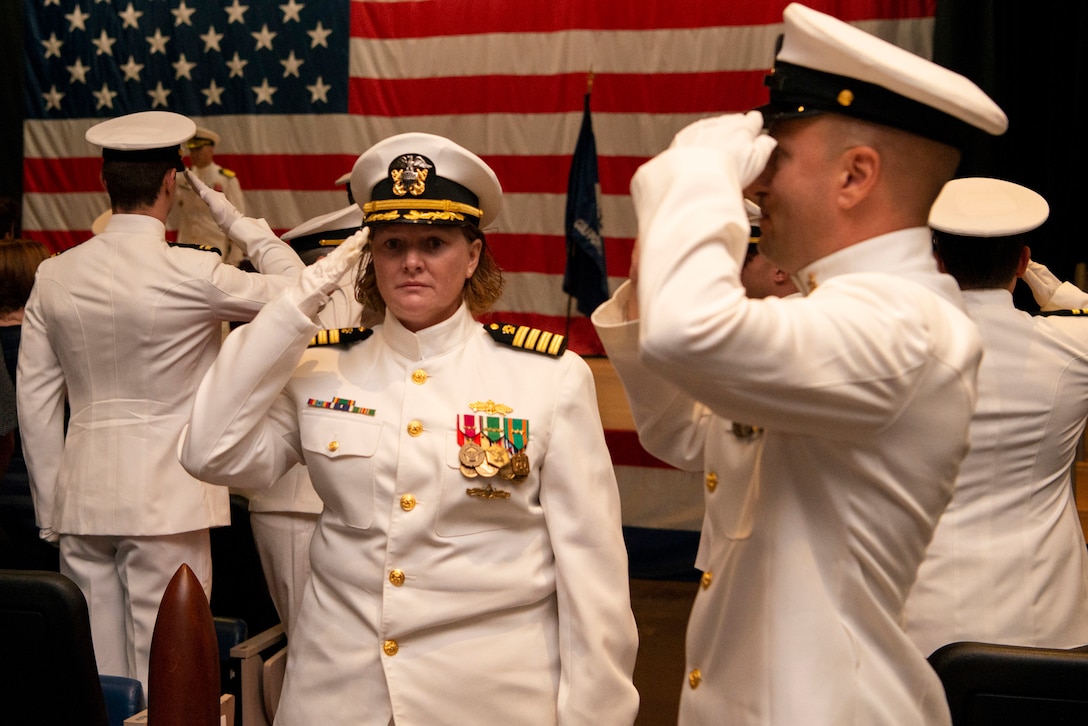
pixel 480 292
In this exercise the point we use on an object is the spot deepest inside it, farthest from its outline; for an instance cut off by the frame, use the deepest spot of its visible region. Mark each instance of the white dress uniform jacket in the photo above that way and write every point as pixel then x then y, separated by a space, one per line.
pixel 864 388
pixel 427 605
pixel 192 218
pixel 1008 562
pixel 129 355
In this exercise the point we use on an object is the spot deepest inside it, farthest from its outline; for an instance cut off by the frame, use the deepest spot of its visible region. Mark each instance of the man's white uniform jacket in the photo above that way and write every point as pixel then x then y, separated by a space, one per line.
pixel 125 326
pixel 1008 562
pixel 864 388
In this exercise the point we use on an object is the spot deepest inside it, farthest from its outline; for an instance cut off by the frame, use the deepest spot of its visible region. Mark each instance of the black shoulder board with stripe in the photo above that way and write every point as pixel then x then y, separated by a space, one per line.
pixel 526 338
pixel 1063 313
pixel 340 336
pixel 202 248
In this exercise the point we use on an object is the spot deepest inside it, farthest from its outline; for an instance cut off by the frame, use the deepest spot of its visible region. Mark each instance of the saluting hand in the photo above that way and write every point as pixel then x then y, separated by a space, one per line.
pixel 223 212
pixel 314 285
pixel 738 137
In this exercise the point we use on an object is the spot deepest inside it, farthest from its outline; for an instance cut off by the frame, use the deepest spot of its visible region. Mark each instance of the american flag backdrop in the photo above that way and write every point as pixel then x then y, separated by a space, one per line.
pixel 298 89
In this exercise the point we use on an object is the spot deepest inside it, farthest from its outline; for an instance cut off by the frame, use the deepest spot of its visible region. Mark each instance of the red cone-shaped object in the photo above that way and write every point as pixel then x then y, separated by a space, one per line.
pixel 183 674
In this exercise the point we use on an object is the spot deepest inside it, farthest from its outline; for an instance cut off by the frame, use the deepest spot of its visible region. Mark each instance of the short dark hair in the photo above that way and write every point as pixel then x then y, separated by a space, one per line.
pixel 133 184
pixel 980 263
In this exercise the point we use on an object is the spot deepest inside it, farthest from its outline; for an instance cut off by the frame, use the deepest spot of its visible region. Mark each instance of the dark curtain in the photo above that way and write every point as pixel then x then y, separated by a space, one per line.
pixel 11 97
pixel 1032 59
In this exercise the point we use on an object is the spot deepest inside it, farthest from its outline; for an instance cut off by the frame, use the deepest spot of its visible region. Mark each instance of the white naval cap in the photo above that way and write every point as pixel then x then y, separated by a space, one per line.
pixel 424 179
pixel 824 64
pixel 202 137
pixel 316 237
pixel 143 136
pixel 984 207
pixel 343 179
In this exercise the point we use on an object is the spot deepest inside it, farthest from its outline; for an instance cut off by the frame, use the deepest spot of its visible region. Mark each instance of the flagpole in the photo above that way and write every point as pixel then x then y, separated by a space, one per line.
pixel 570 298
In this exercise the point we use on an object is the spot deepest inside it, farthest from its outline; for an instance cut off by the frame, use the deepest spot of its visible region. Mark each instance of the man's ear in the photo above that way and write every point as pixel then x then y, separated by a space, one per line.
pixel 1022 263
pixel 860 171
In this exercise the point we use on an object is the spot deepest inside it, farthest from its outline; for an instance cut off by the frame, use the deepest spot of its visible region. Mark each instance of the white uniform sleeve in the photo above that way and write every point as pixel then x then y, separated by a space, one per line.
pixel 41 394
pixel 241 431
pixel 578 491
pixel 841 361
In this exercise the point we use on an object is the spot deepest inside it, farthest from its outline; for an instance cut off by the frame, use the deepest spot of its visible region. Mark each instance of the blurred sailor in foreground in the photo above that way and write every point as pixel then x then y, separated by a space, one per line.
pixel 863 387
pixel 123 327
pixel 1008 563
pixel 469 565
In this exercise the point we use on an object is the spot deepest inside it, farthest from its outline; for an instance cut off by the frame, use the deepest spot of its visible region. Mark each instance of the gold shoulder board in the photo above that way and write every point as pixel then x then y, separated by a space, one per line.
pixel 340 336
pixel 202 248
pixel 229 173
pixel 526 338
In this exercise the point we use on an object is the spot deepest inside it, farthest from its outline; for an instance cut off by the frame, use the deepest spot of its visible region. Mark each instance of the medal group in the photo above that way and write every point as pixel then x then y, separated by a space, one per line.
pixel 492 447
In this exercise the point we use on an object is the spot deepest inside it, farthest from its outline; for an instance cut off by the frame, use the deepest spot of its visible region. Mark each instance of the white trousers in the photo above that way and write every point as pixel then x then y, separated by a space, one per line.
pixel 283 544
pixel 123 580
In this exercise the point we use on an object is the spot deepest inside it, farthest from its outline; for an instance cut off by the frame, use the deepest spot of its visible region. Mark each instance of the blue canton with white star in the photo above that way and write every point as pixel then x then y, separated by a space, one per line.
pixel 97 58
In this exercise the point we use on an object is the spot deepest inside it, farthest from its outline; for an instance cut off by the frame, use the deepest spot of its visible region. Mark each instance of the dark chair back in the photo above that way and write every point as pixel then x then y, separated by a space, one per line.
pixel 45 644
pixel 1006 685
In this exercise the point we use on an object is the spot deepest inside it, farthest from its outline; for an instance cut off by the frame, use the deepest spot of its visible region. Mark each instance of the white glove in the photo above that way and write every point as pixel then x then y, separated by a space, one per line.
pixel 1042 282
pixel 223 212
pixel 739 138
pixel 48 534
pixel 317 282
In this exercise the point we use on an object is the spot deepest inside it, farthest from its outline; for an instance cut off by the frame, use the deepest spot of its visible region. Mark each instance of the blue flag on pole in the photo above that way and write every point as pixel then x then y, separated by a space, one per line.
pixel 585 278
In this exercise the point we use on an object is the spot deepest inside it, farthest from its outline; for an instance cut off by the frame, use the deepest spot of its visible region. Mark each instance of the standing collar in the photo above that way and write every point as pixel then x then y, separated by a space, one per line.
pixel 135 224
pixel 431 341
pixel 905 252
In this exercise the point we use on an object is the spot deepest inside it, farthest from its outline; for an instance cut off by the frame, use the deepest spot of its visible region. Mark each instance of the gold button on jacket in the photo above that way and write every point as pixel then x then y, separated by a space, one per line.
pixel 415 428
pixel 397 577
pixel 419 377
pixel 695 678
pixel 390 647
pixel 407 502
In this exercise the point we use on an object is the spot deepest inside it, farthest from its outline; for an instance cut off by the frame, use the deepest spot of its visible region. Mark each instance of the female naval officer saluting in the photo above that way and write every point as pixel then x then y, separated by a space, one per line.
pixel 469 565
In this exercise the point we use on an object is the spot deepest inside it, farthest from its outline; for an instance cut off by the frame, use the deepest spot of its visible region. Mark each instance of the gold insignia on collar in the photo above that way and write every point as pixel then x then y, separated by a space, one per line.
pixel 490 407
pixel 409 174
